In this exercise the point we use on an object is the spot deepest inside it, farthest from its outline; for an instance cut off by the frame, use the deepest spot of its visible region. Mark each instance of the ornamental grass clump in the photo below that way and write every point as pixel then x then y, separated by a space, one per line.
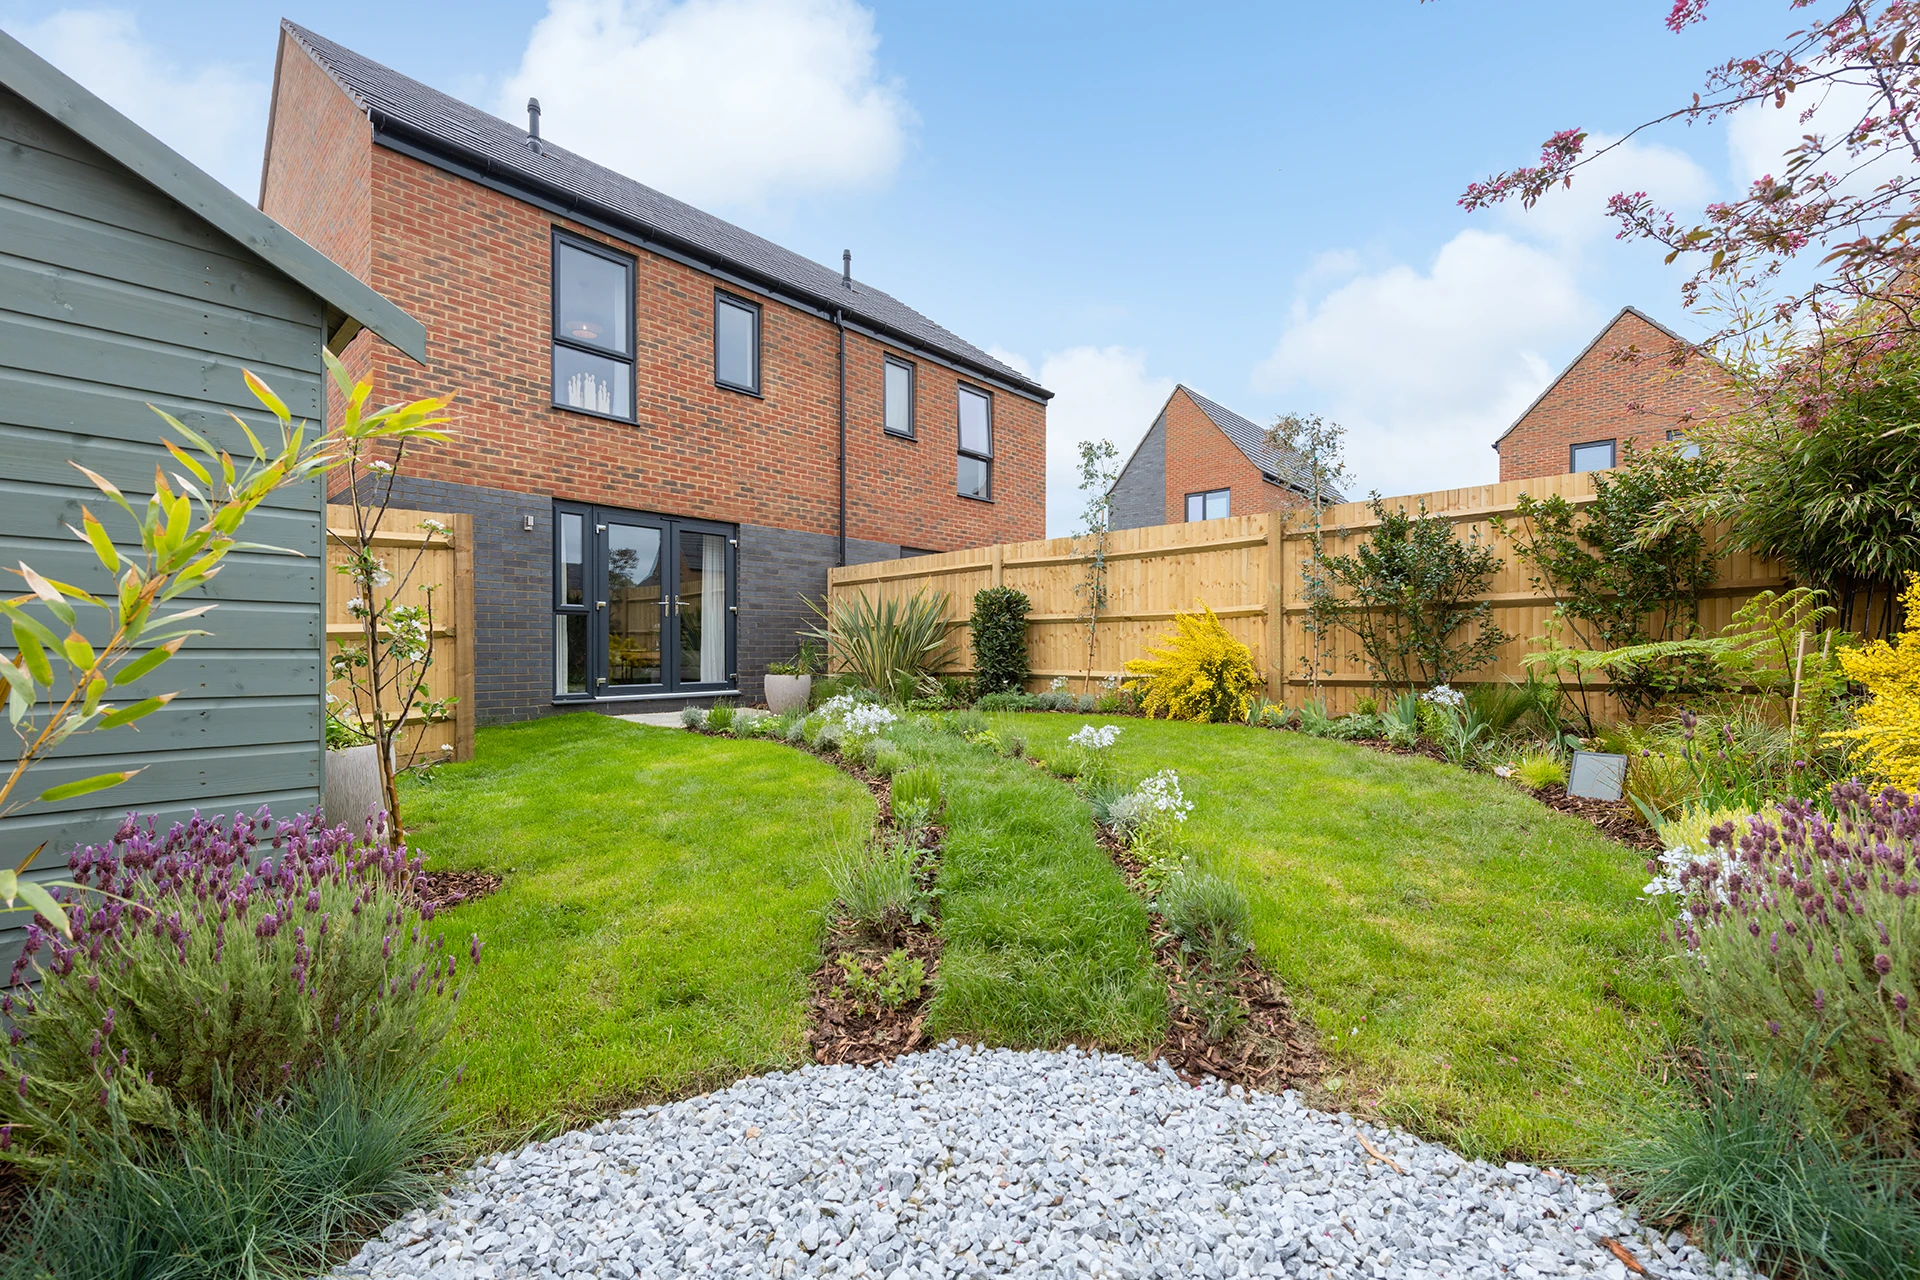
pixel 1200 672
pixel 1803 926
pixel 223 960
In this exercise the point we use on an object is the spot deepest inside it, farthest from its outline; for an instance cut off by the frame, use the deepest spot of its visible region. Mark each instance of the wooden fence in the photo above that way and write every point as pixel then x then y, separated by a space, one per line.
pixel 445 564
pixel 1249 569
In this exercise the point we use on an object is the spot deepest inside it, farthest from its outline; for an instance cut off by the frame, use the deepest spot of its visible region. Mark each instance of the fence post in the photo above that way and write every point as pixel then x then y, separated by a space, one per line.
pixel 999 564
pixel 463 710
pixel 1277 522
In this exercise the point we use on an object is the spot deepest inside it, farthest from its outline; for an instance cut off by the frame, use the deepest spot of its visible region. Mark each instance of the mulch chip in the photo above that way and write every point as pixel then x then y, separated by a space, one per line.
pixel 1616 819
pixel 451 888
pixel 840 1033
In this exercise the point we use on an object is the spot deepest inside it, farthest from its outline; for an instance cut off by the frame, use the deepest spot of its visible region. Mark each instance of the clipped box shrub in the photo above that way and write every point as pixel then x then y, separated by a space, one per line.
pixel 237 958
pixel 999 628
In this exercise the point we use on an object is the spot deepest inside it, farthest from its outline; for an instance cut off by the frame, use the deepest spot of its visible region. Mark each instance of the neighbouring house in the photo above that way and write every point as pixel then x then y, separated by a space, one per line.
pixel 1200 461
pixel 1621 388
pixel 667 428
pixel 132 278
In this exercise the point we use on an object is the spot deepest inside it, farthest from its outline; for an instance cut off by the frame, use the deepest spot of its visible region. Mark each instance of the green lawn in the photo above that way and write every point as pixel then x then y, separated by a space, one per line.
pixel 660 916
pixel 1044 944
pixel 1494 958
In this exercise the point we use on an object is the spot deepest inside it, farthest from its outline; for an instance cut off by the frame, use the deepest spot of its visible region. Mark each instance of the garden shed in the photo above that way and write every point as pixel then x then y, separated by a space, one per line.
pixel 131 278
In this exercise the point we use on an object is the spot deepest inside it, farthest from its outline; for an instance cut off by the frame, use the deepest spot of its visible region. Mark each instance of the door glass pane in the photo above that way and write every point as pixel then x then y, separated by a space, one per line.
pixel 593 300
pixel 733 343
pixel 1217 503
pixel 973 477
pixel 703 608
pixel 976 434
pixel 569 653
pixel 899 399
pixel 572 574
pixel 590 382
pixel 633 604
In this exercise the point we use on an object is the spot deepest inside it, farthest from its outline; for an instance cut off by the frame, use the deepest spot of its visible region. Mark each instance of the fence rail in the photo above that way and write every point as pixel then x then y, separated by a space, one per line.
pixel 445 565
pixel 1250 571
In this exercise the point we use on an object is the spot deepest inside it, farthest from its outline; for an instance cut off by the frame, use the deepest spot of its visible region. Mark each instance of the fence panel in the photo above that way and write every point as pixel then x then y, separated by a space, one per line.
pixel 417 559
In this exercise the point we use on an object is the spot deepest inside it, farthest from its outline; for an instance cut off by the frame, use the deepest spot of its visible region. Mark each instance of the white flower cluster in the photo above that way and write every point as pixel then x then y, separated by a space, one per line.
pixel 1443 695
pixel 1161 795
pixel 1059 683
pixel 856 717
pixel 1095 739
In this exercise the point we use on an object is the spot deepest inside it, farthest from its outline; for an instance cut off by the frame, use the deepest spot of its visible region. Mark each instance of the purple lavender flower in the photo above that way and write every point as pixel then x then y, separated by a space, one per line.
pixel 1883 964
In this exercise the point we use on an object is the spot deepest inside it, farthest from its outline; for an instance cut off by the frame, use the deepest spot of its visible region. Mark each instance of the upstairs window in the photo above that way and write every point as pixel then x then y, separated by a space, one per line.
pixel 976 444
pixel 1688 448
pixel 592 328
pixel 899 398
pixel 1595 455
pixel 1211 505
pixel 736 343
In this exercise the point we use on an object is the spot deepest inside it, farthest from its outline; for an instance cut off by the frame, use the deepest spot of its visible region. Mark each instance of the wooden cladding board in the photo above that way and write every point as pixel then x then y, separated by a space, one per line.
pixel 1250 571
pixel 426 566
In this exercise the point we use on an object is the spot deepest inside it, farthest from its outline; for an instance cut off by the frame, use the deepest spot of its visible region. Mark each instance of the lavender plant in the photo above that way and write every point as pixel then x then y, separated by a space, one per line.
pixel 1808 925
pixel 225 959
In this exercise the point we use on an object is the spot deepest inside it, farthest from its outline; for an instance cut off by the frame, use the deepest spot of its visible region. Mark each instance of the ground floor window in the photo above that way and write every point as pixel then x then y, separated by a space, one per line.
pixel 643 603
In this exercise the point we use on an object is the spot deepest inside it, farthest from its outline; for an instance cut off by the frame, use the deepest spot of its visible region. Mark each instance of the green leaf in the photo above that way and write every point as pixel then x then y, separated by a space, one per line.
pixel 107 487
pixel 85 786
pixel 42 901
pixel 78 651
pixel 147 661
pixel 139 710
pixel 96 690
pixel 188 461
pixel 264 394
pixel 102 544
pixel 48 593
pixel 17 705
pixel 17 677
pixel 33 654
pixel 259 450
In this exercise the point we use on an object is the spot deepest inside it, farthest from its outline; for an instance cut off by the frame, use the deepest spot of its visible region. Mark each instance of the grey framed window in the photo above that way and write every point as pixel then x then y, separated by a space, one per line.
pixel 572 612
pixel 1594 455
pixel 976 444
pixel 1211 505
pixel 898 409
pixel 1688 448
pixel 736 343
pixel 592 328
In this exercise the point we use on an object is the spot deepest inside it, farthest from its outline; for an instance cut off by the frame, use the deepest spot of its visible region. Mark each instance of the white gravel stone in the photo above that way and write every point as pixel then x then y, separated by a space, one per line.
pixel 964 1162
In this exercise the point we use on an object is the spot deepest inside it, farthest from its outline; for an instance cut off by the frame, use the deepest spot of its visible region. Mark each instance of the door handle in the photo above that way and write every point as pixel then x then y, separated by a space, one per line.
pixel 599 604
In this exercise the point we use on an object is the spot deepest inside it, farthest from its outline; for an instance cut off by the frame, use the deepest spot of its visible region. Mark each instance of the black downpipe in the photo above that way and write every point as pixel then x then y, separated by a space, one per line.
pixel 839 320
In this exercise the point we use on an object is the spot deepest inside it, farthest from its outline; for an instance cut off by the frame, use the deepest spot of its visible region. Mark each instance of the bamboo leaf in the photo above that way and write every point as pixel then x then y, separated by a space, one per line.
pixel 193 437
pixel 188 461
pixel 107 487
pixel 259 450
pixel 78 651
pixel 33 654
pixel 96 690
pixel 264 394
pixel 48 593
pixel 148 661
pixel 85 786
pixel 145 707
pixel 42 901
pixel 103 546
pixel 16 675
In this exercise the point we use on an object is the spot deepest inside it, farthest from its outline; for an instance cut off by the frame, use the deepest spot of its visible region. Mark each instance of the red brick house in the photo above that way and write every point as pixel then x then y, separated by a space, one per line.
pixel 1200 461
pixel 668 428
pixel 1600 402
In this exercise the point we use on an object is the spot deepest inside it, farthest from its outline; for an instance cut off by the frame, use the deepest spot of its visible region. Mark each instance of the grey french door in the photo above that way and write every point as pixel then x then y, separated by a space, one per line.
pixel 646 604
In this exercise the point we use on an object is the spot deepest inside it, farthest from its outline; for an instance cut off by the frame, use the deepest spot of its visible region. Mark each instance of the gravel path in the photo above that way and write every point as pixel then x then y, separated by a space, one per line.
pixel 968 1162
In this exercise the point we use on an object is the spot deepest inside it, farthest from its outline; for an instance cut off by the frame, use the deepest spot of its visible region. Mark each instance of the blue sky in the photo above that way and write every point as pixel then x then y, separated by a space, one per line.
pixel 1255 199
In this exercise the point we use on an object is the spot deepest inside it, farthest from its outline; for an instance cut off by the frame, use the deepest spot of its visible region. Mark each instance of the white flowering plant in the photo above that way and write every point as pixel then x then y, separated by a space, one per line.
pixel 1095 746
pixel 1444 695
pixel 1156 813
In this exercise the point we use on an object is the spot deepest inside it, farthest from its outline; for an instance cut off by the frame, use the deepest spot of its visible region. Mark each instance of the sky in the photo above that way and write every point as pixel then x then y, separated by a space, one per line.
pixel 1258 200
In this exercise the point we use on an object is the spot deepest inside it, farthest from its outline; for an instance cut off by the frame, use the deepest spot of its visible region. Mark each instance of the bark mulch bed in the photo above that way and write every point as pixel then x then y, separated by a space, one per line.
pixel 451 888
pixel 1615 819
pixel 1273 1049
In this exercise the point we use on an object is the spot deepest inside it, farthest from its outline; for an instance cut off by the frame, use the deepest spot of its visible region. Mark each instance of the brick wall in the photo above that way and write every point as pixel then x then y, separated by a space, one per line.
pixel 474 265
pixel 1200 457
pixel 1140 491
pixel 1603 397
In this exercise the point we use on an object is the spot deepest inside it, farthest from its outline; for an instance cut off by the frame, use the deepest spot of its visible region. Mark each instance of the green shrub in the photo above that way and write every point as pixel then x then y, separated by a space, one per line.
pixel 877 889
pixel 1660 786
pixel 1209 915
pixel 1358 727
pixel 830 737
pixel 693 717
pixel 1314 720
pixel 1010 700
pixel 999 627
pixel 1109 704
pixel 883 757
pixel 1199 672
pixel 898 982
pixel 1401 722
pixel 1012 746
pixel 720 718
pixel 253 1190
pixel 1503 704
pixel 1053 700
pixel 918 789
pixel 237 958
pixel 796 730
pixel 1758 1174
pixel 811 727
pixel 1539 769
pixel 965 724
pixel 889 646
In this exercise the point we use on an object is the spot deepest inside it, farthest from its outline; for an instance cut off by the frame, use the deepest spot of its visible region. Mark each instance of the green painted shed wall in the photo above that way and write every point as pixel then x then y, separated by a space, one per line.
pixel 113 296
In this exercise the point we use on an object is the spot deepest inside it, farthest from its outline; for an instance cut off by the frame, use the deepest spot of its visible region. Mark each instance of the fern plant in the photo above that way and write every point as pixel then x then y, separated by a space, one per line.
pixel 1200 673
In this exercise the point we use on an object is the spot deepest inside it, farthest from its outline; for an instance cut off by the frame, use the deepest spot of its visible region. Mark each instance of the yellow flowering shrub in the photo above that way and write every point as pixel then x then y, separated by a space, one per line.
pixel 1199 672
pixel 1888 727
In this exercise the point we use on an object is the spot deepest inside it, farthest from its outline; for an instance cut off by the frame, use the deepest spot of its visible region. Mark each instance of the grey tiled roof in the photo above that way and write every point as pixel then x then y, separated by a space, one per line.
pixel 1284 465
pixel 450 126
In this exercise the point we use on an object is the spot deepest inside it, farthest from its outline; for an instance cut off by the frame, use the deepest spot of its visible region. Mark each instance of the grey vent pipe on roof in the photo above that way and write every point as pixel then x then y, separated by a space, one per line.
pixel 846 268
pixel 533 123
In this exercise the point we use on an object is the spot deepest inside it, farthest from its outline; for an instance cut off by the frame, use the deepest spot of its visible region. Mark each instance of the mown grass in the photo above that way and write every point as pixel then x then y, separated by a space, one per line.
pixel 1479 968
pixel 1044 945
pixel 660 916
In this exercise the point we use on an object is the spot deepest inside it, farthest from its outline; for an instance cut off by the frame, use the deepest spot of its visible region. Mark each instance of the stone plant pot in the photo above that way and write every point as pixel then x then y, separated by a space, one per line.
pixel 353 786
pixel 788 693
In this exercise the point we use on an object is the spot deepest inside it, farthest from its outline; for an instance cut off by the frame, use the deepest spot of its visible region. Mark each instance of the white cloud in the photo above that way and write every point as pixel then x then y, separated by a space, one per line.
pixel 1099 393
pixel 717 102
pixel 1425 368
pixel 215 115
pixel 1574 219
